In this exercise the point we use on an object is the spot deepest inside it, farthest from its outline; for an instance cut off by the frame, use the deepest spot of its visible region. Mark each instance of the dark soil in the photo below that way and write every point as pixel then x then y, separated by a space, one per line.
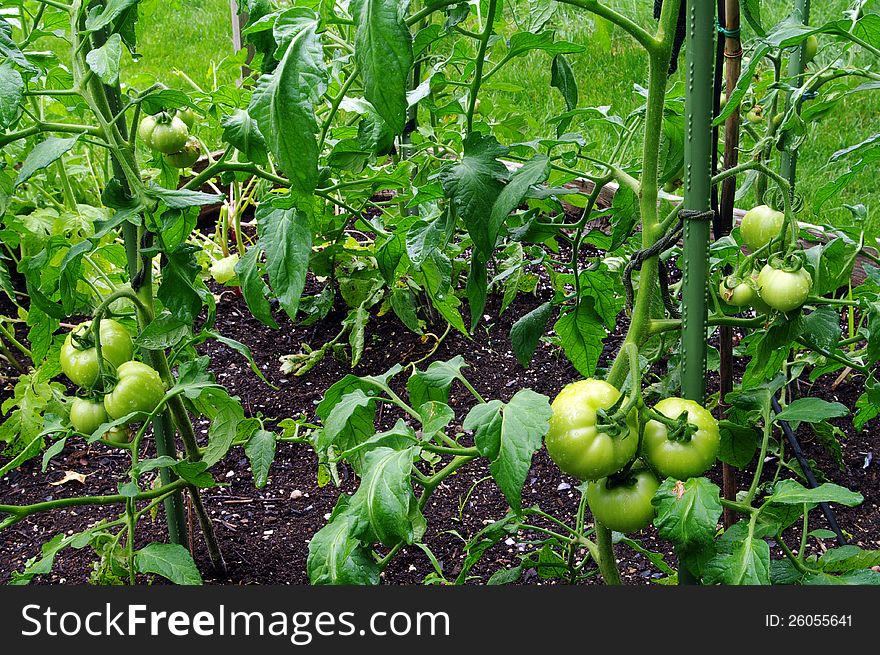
pixel 264 533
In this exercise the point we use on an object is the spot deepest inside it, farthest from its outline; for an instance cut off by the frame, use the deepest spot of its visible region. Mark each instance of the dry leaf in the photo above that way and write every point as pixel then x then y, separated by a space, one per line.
pixel 70 476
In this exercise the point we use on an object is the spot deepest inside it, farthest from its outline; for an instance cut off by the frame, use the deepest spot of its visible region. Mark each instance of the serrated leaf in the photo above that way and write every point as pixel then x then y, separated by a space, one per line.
pixel 812 410
pixel 171 561
pixel 509 435
pixel 527 332
pixel 688 512
pixel 791 492
pixel 286 238
pixel 260 450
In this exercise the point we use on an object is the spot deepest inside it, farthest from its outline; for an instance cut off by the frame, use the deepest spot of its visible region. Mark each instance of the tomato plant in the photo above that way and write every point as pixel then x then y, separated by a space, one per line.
pixel 369 161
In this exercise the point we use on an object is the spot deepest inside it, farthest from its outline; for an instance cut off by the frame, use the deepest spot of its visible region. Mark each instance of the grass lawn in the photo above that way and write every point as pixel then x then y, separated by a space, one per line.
pixel 194 36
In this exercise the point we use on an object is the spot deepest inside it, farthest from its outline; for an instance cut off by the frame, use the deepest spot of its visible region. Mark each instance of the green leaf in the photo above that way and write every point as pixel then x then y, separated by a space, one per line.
pixel 861 577
pixel 11 94
pixel 527 332
pixel 739 443
pixel 435 416
pixel 253 288
pixel 822 327
pixel 102 15
pixel 434 382
pixel 383 51
pixel 385 498
pixel 240 130
pixel 532 172
pixel 473 185
pixel 848 558
pixel 43 155
pixel 337 557
pixel 286 238
pixel 283 105
pixel 260 450
pixel 404 305
pixel 182 198
pixel 508 435
pixel 178 291
pixel 688 513
pixel 195 473
pixel 791 492
pixel 582 333
pixel 164 332
pixel 104 61
pixel 171 561
pixel 523 42
pixel 343 411
pixel 812 410
pixel 742 559
pixel 562 78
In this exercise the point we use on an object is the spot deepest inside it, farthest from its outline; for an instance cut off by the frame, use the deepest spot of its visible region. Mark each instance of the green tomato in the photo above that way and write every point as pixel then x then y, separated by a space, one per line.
pixel 575 442
pixel 169 136
pixel 118 435
pixel 79 358
pixel 756 114
pixel 139 389
pixel 187 156
pixel 811 47
pixel 760 225
pixel 86 416
pixel 145 130
pixel 624 505
pixel 694 452
pixel 188 116
pixel 784 290
pixel 736 292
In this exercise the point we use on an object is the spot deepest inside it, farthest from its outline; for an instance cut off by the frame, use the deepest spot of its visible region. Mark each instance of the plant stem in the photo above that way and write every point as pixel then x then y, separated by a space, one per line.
pixel 479 63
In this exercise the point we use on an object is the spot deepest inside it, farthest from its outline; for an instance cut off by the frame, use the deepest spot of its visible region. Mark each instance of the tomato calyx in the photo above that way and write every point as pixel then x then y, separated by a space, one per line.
pixel 790 263
pixel 677 429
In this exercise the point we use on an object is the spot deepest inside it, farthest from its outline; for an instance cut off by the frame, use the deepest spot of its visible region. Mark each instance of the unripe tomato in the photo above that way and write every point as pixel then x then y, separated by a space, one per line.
pixel 624 506
pixel 188 116
pixel 760 225
pixel 777 120
pixel 736 292
pixel 784 290
pixel 756 114
pixel 145 130
pixel 690 456
pixel 139 389
pixel 574 440
pixel 169 136
pixel 187 156
pixel 811 47
pixel 118 435
pixel 79 362
pixel 86 416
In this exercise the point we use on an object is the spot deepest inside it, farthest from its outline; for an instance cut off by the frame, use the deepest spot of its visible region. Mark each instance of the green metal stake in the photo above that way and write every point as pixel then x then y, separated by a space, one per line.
pixel 796 66
pixel 697 214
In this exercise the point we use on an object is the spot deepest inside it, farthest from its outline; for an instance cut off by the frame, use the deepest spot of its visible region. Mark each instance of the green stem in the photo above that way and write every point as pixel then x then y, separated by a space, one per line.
pixel 479 63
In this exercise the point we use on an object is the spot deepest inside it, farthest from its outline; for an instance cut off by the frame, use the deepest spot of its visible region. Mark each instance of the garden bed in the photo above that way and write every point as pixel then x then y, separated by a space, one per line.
pixel 265 533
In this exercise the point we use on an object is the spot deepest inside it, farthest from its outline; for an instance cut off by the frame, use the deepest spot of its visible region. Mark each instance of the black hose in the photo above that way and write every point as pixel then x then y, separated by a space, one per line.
pixel 808 473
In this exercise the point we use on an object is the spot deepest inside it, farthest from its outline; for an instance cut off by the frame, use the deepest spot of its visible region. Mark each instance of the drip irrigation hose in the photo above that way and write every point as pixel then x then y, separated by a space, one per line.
pixel 808 473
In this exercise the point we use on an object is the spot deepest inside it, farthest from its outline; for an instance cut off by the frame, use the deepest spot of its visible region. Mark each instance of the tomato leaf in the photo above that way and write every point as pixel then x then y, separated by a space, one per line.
pixel 527 331
pixel 171 561
pixel 582 332
pixel 286 238
pixel 509 435
pixel 283 105
pixel 253 288
pixel 383 51
pixel 688 512
pixel 474 184
pixel 260 450
pixel 338 557
pixel 742 559
pixel 791 492
pixel 812 410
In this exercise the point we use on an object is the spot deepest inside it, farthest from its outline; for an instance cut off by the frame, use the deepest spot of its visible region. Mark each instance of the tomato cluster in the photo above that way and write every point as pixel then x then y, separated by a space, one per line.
pixel 770 282
pixel 597 436
pixel 126 387
pixel 169 134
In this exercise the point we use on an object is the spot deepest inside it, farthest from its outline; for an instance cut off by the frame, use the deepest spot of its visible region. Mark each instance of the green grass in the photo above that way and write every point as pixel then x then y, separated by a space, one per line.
pixel 194 36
